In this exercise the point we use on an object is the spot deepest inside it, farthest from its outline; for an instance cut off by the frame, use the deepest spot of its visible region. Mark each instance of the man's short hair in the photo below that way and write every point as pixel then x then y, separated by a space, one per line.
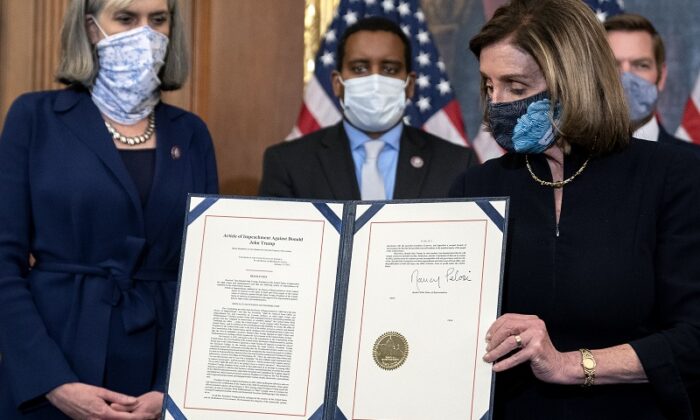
pixel 629 22
pixel 374 24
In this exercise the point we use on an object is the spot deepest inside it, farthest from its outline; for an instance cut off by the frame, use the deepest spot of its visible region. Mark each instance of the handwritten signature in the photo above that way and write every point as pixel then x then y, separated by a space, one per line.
pixel 426 281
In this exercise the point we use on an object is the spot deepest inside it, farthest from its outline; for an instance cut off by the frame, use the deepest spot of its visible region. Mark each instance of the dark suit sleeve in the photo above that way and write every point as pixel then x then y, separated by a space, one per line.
pixel 669 356
pixel 468 182
pixel 472 160
pixel 687 147
pixel 457 187
pixel 457 161
pixel 32 361
pixel 212 177
pixel 276 181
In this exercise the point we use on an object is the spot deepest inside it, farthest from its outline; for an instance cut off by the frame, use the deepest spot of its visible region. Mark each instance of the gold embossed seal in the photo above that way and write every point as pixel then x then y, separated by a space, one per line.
pixel 390 350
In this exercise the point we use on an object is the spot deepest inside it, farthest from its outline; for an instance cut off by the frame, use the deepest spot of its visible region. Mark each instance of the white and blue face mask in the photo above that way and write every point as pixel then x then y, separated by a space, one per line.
pixel 374 103
pixel 525 125
pixel 642 96
pixel 127 87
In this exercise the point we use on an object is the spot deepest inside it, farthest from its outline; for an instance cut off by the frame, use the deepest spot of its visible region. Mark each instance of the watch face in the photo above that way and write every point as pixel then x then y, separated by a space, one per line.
pixel 588 363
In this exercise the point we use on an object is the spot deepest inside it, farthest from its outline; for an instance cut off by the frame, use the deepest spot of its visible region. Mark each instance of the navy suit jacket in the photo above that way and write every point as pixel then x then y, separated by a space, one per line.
pixel 104 283
pixel 666 137
pixel 320 166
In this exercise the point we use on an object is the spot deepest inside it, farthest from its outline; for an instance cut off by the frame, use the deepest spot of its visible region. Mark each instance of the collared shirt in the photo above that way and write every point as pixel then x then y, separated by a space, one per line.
pixel 649 131
pixel 388 158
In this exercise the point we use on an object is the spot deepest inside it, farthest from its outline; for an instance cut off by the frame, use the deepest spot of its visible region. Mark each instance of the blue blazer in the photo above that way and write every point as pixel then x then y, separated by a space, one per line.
pixel 97 307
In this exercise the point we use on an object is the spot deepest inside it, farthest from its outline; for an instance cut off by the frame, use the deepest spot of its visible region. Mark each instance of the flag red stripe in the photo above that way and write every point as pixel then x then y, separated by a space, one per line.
pixel 691 121
pixel 454 113
pixel 306 121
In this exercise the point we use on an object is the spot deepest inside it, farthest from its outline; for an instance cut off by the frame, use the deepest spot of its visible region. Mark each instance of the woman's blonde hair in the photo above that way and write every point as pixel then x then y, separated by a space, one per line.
pixel 78 64
pixel 570 46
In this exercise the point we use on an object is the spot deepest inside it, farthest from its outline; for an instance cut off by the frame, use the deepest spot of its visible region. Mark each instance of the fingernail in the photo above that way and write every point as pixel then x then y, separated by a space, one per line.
pixel 485 357
pixel 488 337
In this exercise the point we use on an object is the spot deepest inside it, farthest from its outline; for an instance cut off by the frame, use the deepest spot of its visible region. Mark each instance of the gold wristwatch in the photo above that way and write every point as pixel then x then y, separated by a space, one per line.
pixel 588 364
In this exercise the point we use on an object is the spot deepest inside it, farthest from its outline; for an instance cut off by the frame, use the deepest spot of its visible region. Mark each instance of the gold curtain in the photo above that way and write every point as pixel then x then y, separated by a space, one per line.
pixel 317 16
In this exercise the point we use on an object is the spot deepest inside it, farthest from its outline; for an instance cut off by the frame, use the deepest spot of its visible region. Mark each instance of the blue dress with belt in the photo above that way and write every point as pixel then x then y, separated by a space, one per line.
pixel 97 306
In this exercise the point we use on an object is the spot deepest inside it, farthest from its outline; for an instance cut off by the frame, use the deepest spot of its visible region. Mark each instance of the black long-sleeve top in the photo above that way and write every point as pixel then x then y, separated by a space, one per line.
pixel 621 266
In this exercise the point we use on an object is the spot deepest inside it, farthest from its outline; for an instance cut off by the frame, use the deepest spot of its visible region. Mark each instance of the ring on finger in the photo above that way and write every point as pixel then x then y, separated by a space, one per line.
pixel 518 341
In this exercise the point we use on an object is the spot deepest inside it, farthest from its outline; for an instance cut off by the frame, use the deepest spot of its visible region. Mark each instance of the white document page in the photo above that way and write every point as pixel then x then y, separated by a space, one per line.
pixel 254 313
pixel 424 288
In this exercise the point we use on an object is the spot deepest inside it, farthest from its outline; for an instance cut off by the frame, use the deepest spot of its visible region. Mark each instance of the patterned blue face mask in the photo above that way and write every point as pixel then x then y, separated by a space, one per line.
pixel 523 126
pixel 641 96
pixel 126 88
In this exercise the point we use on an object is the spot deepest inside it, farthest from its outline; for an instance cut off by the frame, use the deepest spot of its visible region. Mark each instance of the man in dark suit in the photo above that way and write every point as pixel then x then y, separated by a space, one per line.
pixel 371 154
pixel 639 51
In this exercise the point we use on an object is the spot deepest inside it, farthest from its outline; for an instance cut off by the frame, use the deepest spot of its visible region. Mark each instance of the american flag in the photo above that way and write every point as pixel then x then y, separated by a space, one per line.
pixel 433 106
pixel 605 8
pixel 690 124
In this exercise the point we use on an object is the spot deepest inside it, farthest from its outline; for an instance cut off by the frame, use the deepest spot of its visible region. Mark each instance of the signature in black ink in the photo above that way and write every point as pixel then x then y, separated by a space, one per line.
pixel 423 281
pixel 419 279
pixel 454 275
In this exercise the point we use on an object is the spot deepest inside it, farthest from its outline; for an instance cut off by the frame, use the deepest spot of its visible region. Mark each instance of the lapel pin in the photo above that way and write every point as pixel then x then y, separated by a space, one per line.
pixel 175 153
pixel 417 162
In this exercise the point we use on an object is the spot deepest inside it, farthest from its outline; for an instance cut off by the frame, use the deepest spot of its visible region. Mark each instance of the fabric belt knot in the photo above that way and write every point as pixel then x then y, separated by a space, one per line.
pixel 138 309
pixel 100 289
pixel 123 286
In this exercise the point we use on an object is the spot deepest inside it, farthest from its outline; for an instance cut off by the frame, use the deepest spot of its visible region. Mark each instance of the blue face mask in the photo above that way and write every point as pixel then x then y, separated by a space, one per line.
pixel 126 88
pixel 523 126
pixel 641 96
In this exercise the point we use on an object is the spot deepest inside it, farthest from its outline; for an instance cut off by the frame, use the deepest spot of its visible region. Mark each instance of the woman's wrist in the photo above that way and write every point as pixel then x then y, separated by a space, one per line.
pixel 612 365
pixel 571 371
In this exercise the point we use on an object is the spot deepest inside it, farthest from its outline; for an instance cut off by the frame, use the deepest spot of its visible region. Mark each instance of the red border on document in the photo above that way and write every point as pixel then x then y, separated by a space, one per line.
pixel 313 327
pixel 478 328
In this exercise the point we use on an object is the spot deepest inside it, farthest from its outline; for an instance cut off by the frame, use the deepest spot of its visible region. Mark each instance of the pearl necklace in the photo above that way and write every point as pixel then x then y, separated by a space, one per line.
pixel 134 140
pixel 555 184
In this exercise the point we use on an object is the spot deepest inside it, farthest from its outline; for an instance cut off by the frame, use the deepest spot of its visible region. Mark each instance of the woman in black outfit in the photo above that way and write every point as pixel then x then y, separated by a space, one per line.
pixel 601 295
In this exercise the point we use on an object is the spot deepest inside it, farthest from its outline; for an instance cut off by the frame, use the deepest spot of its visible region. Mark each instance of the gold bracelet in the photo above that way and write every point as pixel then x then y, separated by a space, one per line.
pixel 588 364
